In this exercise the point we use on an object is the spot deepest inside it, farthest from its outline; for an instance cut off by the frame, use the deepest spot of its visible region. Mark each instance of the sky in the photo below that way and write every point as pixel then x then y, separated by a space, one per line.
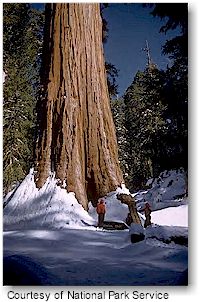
pixel 130 25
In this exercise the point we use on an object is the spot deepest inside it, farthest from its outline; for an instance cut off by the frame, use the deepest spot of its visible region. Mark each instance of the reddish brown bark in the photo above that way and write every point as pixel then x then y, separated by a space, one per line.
pixel 77 136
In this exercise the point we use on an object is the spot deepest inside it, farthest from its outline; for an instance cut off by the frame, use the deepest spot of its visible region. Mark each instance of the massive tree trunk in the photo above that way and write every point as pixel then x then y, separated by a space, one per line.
pixel 77 136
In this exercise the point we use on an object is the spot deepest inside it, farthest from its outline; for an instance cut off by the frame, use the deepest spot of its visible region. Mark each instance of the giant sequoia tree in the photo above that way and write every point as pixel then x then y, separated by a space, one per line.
pixel 76 132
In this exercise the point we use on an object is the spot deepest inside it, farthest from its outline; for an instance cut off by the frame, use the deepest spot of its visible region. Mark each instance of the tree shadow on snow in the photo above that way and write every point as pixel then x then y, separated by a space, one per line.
pixel 23 270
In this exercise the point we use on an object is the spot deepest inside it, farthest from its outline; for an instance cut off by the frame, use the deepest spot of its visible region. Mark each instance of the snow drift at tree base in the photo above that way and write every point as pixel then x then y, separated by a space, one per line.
pixel 51 240
pixel 52 207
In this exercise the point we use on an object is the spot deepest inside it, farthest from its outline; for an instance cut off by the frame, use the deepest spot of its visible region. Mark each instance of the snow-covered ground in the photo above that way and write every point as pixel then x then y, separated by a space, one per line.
pixel 177 216
pixel 165 191
pixel 50 239
pixel 82 257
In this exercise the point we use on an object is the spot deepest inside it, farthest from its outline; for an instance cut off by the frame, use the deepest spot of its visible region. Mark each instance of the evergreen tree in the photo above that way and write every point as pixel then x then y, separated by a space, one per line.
pixel 176 88
pixel 21 44
pixel 157 105
pixel 145 124
pixel 112 73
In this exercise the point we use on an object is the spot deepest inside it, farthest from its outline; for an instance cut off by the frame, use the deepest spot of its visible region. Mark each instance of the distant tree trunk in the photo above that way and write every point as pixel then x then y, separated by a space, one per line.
pixel 77 137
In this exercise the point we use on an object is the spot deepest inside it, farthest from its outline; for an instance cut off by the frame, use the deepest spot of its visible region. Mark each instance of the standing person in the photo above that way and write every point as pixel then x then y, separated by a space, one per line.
pixel 101 210
pixel 147 213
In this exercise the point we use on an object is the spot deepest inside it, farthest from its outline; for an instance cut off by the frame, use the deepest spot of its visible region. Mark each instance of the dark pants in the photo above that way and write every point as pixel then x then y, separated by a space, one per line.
pixel 147 221
pixel 101 220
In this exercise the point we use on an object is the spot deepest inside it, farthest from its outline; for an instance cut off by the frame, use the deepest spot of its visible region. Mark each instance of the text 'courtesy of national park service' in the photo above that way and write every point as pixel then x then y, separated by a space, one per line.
pixel 83 295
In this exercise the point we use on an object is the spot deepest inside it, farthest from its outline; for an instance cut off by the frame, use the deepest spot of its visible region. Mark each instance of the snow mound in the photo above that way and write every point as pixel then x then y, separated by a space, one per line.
pixel 167 190
pixel 168 234
pixel 136 228
pixel 51 207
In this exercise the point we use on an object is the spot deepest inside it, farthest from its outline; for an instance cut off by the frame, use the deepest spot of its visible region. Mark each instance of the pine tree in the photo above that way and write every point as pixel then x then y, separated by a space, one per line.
pixel 112 73
pixel 175 16
pixel 145 124
pixel 77 137
pixel 21 42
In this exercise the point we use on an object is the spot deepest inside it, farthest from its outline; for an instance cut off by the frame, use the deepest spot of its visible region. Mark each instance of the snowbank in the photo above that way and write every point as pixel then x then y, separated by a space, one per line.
pixel 168 234
pixel 166 190
pixel 50 207
pixel 136 229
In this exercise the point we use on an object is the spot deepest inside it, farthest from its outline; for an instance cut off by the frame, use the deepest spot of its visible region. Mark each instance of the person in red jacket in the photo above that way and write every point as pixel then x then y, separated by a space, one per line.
pixel 101 210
